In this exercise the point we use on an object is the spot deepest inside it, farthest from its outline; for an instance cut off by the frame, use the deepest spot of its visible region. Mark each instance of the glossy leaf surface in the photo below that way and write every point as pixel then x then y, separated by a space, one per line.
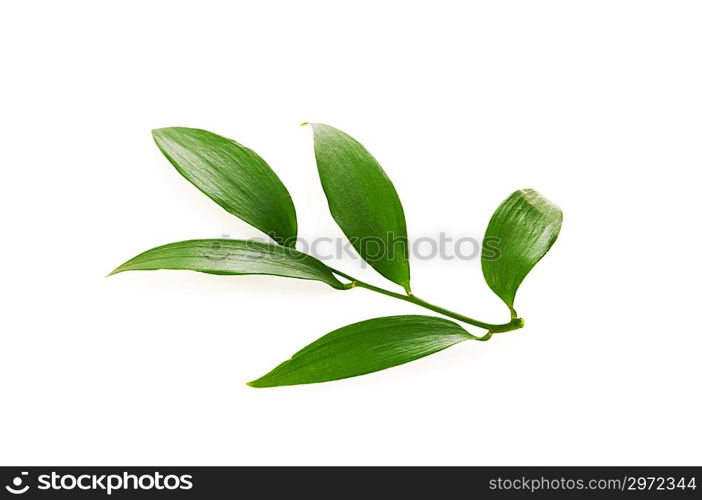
pixel 234 177
pixel 365 347
pixel 232 257
pixel 520 232
pixel 363 202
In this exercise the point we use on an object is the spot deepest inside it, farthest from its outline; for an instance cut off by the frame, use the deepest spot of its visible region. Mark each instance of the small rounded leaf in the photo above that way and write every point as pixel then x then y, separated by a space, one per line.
pixel 520 232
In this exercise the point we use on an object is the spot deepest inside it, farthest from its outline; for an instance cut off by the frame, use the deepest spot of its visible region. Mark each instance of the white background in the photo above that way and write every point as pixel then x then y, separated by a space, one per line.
pixel 595 104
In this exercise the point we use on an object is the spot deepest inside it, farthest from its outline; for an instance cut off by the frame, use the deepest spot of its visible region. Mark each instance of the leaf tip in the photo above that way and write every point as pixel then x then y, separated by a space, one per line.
pixel 120 269
pixel 257 384
pixel 156 132
pixel 163 133
pixel 114 271
pixel 304 124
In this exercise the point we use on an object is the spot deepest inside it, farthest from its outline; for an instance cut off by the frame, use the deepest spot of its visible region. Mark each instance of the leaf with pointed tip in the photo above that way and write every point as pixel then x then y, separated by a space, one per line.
pixel 363 202
pixel 234 177
pixel 520 232
pixel 232 257
pixel 366 347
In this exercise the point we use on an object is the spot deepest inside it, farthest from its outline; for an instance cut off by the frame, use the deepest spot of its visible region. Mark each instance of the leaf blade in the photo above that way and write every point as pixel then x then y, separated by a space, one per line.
pixel 365 347
pixel 232 257
pixel 363 202
pixel 522 230
pixel 233 176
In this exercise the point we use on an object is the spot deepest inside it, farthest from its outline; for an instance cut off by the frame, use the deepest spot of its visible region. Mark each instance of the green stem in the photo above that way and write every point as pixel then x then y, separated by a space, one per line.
pixel 515 324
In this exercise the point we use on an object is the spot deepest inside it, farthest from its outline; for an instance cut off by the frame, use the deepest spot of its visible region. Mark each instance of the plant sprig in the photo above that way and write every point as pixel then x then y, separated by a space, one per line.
pixel 366 206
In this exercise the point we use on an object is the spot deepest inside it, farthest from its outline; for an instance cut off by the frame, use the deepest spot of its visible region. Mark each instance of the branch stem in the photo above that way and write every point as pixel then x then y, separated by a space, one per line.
pixel 514 324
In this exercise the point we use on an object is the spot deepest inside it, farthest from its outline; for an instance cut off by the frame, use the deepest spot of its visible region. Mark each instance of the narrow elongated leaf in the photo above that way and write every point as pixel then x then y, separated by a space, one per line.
pixel 232 257
pixel 234 177
pixel 363 202
pixel 365 347
pixel 520 232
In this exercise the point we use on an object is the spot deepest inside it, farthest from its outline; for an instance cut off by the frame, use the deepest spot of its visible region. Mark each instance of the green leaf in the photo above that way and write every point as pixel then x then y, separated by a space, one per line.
pixel 365 347
pixel 363 202
pixel 234 177
pixel 232 257
pixel 521 231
